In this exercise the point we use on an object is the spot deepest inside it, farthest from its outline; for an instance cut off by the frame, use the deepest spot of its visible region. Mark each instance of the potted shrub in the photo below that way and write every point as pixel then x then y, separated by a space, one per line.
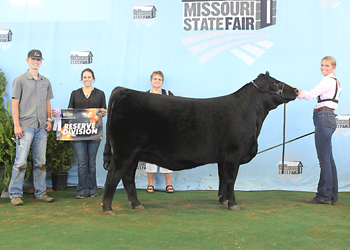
pixel 7 146
pixel 60 155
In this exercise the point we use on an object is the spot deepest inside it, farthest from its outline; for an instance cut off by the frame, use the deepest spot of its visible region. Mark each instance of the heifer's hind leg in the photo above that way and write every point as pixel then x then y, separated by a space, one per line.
pixel 222 185
pixel 129 186
pixel 112 181
pixel 107 155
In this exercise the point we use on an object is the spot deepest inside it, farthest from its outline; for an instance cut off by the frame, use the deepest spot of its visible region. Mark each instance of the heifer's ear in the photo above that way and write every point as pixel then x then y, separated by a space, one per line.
pixel 261 81
pixel 267 73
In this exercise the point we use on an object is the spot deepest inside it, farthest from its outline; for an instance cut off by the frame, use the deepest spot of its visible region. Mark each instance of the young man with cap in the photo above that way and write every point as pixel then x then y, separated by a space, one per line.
pixel 31 112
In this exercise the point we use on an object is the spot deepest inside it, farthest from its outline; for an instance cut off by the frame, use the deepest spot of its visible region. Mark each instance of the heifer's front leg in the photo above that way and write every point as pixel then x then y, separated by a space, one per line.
pixel 232 171
pixel 130 188
pixel 112 181
pixel 222 185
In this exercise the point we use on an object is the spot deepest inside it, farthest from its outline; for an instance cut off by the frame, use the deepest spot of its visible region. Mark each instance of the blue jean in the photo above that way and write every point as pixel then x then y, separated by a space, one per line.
pixel 86 156
pixel 325 125
pixel 37 138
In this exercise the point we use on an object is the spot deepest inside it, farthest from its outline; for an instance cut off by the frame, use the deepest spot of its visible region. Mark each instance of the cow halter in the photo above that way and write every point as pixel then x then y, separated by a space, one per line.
pixel 279 92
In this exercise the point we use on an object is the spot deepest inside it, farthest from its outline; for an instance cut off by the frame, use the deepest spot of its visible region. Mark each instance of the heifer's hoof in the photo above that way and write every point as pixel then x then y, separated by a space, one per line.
pixel 223 201
pixel 235 207
pixel 139 207
pixel 108 213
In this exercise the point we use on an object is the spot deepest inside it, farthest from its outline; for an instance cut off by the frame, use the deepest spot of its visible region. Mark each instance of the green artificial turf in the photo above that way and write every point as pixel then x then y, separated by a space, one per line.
pixel 183 220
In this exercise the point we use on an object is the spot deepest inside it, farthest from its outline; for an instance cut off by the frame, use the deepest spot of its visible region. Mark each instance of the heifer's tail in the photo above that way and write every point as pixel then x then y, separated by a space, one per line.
pixel 107 154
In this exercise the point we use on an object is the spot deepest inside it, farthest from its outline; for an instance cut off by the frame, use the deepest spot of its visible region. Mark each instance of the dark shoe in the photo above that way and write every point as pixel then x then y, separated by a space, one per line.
pixel 44 198
pixel 80 196
pixel 169 189
pixel 311 201
pixel 150 189
pixel 17 201
pixel 94 195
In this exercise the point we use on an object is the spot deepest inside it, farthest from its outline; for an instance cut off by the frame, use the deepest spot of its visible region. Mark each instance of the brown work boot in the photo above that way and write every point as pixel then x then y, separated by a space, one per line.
pixel 311 201
pixel 44 198
pixel 17 201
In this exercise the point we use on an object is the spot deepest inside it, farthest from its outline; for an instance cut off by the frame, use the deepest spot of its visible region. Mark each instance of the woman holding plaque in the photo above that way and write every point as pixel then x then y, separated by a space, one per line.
pixel 327 93
pixel 87 97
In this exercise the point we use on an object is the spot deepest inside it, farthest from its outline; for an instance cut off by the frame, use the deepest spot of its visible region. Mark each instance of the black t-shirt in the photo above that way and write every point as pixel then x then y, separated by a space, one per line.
pixel 79 101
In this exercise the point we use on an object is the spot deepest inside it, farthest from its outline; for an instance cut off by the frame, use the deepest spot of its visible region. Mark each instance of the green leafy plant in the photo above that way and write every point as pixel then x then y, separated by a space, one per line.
pixel 60 155
pixel 7 146
pixel 3 84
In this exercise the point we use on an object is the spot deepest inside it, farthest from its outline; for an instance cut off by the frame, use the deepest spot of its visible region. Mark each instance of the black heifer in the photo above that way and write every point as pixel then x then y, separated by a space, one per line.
pixel 182 133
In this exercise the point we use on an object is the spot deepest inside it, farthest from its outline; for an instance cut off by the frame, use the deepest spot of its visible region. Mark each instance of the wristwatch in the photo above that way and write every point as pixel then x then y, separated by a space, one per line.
pixel 49 119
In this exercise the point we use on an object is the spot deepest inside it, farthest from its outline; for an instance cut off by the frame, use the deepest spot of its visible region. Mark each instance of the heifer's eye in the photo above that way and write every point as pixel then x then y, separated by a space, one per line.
pixel 275 84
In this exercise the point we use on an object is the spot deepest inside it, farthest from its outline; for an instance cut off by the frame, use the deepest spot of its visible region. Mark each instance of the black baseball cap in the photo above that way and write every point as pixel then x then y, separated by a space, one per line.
pixel 34 53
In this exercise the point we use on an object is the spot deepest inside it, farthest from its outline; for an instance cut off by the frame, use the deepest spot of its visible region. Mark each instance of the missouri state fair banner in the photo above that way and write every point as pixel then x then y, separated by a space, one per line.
pixel 205 49
pixel 80 124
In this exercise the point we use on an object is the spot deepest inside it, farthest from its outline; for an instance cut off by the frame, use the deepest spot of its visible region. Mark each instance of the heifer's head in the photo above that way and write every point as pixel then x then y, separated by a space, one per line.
pixel 280 91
